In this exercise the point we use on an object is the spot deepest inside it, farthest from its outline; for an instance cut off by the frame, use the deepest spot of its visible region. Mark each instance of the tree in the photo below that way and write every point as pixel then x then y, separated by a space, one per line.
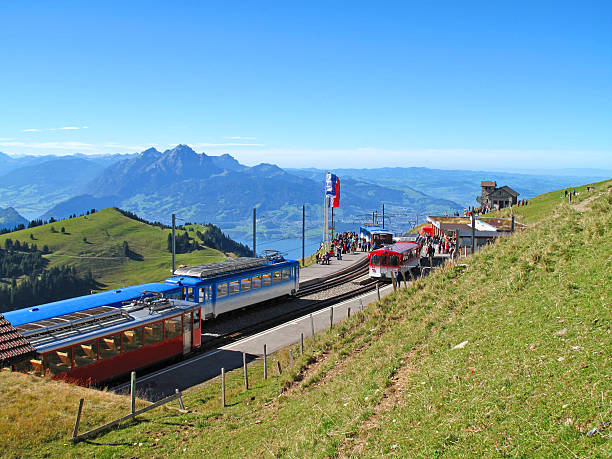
pixel 31 236
pixel 63 230
pixel 84 238
pixel 126 249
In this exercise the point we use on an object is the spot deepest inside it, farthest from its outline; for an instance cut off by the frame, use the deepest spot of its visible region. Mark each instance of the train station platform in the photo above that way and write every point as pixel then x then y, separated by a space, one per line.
pixel 311 274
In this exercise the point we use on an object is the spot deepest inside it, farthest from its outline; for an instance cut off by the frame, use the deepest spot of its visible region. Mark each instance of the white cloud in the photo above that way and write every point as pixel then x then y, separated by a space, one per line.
pixel 64 128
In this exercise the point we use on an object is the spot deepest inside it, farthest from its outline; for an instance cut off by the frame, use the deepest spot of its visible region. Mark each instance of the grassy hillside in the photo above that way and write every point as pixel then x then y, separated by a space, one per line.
pixel 543 205
pixel 102 251
pixel 531 377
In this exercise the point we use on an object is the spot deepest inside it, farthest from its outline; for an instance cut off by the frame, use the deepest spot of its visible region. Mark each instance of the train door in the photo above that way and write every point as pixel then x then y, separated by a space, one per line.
pixel 197 331
pixel 187 328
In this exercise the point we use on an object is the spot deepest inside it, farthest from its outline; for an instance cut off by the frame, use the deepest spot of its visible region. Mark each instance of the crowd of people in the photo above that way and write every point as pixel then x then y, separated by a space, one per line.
pixel 438 244
pixel 485 209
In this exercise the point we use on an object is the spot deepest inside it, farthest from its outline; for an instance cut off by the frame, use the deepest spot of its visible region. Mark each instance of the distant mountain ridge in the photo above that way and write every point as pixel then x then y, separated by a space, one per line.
pixel 10 219
pixel 219 189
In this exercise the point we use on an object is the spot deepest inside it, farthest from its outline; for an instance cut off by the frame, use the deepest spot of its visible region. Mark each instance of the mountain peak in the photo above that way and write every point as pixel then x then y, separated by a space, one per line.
pixel 181 149
pixel 150 152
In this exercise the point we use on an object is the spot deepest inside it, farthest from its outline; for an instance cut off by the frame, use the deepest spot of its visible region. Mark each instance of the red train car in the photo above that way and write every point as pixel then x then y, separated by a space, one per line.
pixel 99 344
pixel 397 258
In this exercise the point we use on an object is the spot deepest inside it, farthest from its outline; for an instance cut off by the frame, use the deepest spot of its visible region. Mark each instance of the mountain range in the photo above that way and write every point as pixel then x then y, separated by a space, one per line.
pixel 218 189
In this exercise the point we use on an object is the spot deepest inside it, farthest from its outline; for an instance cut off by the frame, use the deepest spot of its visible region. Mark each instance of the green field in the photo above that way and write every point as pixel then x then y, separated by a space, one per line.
pixel 102 251
pixel 532 375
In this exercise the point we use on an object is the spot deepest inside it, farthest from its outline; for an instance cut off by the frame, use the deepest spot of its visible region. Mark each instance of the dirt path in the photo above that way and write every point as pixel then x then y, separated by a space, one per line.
pixel 582 206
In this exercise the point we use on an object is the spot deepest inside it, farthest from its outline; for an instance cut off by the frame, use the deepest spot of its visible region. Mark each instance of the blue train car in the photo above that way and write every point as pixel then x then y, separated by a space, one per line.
pixel 375 235
pixel 236 283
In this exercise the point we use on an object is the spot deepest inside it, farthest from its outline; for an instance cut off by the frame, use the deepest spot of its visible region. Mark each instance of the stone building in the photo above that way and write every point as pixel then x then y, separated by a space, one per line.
pixel 496 198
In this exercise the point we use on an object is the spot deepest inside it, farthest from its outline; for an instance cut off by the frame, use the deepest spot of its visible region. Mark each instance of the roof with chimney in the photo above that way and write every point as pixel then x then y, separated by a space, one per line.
pixel 488 183
pixel 14 347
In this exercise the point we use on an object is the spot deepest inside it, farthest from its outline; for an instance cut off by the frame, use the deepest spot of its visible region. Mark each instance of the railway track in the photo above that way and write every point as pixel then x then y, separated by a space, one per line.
pixel 342 277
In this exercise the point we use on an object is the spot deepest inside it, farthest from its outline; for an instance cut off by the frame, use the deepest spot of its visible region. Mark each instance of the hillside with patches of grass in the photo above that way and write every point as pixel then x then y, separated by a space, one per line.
pixel 96 242
pixel 506 353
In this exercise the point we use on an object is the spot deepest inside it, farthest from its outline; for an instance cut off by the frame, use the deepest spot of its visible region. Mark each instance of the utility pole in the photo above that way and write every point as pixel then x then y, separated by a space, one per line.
pixel 173 243
pixel 254 231
pixel 383 216
pixel 303 235
pixel 372 218
pixel 473 233
pixel 333 228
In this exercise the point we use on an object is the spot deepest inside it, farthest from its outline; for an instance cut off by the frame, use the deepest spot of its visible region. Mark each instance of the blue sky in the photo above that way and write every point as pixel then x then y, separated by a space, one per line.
pixel 333 84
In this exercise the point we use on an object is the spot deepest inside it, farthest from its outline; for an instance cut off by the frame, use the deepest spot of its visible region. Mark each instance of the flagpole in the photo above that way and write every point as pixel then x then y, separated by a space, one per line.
pixel 325 213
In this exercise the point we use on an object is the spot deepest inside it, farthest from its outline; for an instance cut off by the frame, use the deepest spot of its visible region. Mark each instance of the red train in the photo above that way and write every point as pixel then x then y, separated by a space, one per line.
pixel 397 258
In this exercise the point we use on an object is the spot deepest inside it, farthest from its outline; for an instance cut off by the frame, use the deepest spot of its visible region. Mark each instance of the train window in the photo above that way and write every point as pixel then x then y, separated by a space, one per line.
pixel 201 295
pixel 33 366
pixel 221 290
pixel 132 339
pixel 393 260
pixel 234 287
pixel 59 361
pixel 276 276
pixel 245 285
pixel 196 319
pixel 383 260
pixel 110 346
pixel 286 274
pixel 256 282
pixel 173 327
pixel 190 294
pixel 85 353
pixel 153 333
pixel 375 260
pixel 267 279
pixel 184 293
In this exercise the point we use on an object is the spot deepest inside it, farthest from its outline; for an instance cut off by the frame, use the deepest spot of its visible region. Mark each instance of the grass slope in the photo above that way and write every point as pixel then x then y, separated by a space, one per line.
pixel 533 378
pixel 543 205
pixel 102 252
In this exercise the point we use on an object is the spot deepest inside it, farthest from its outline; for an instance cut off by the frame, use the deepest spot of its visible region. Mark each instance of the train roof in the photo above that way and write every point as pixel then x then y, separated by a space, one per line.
pixel 186 275
pixel 81 303
pixel 399 247
pixel 69 329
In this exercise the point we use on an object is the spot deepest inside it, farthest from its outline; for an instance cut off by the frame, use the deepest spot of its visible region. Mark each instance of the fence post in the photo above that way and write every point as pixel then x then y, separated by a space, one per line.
pixel 246 376
pixel 132 393
pixel 180 398
pixel 301 343
pixel 331 317
pixel 312 326
pixel 378 290
pixel 393 280
pixel 361 304
pixel 75 431
pixel 278 365
pixel 348 313
pixel 223 387
pixel 290 357
pixel 265 362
